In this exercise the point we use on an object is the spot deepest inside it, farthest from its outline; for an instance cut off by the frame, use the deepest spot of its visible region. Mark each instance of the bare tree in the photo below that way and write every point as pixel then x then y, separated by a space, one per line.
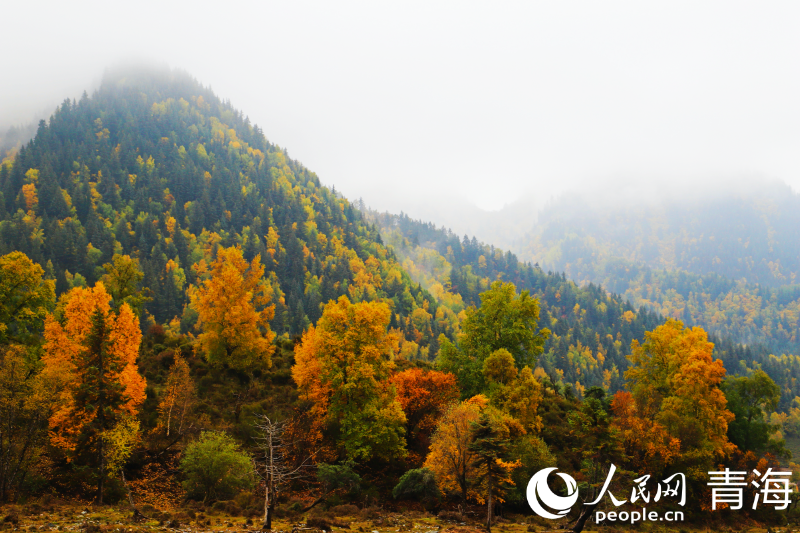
pixel 277 470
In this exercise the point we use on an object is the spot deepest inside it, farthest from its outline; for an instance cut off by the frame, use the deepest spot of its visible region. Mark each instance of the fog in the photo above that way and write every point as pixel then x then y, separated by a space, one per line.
pixel 445 109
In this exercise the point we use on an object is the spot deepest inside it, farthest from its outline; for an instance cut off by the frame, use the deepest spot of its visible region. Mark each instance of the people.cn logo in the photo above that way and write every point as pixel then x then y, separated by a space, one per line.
pixel 539 493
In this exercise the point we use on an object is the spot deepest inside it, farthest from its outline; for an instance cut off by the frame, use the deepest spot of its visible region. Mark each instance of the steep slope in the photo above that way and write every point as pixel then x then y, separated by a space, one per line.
pixel 156 166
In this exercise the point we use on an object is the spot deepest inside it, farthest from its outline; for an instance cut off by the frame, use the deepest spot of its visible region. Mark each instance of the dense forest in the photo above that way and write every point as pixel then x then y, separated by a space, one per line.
pixel 190 319
pixel 581 316
pixel 726 261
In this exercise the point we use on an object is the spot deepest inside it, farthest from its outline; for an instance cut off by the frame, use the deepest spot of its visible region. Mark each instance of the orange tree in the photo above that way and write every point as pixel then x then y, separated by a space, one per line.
pixel 90 358
pixel 450 458
pixel 676 408
pixel 423 395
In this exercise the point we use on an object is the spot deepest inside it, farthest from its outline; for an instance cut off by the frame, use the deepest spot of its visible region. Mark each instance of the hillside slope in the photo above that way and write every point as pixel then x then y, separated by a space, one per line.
pixel 592 328
pixel 156 166
pixel 726 260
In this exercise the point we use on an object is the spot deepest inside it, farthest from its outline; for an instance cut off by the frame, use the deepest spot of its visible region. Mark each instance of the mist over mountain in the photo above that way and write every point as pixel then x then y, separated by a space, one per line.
pixel 743 230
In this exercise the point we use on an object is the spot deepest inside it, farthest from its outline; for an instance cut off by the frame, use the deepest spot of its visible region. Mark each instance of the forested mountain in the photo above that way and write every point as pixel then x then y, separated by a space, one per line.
pixel 592 328
pixel 156 166
pixel 727 260
pixel 184 308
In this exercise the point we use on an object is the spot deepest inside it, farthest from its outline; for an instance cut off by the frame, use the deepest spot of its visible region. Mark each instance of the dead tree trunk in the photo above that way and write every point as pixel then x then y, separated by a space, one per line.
pixel 276 470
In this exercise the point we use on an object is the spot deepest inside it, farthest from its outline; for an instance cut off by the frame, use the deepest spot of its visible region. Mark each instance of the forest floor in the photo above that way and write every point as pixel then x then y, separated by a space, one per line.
pixel 113 519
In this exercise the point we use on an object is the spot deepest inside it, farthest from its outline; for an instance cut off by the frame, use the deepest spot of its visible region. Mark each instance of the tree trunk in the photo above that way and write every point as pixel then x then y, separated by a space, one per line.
pixel 270 513
pixel 102 475
pixel 489 508
pixel 137 515
pixel 317 501
pixel 269 488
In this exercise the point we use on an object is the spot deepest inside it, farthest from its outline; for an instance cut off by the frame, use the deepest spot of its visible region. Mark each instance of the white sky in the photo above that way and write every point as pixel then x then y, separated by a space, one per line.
pixel 429 101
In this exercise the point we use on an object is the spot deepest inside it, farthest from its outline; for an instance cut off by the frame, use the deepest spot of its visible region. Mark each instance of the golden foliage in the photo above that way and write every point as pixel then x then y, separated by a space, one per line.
pixel 24 297
pixel 177 396
pixel 233 311
pixel 674 382
pixel 450 457
pixel 341 368
pixel 424 395
pixel 65 345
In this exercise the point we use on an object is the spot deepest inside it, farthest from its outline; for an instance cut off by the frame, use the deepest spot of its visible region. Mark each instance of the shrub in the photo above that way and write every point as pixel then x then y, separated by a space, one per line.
pixel 417 484
pixel 370 513
pixel 215 468
pixel 451 516
pixel 341 476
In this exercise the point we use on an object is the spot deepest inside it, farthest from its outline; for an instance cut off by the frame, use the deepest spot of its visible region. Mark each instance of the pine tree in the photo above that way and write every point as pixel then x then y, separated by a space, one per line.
pixel 99 396
pixel 490 448
pixel 90 357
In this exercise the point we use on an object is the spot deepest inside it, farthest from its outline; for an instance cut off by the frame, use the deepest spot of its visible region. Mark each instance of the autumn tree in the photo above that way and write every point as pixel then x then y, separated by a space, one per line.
pixel 675 382
pixel 25 297
pixel 451 458
pixel 423 395
pixel 123 280
pixel 342 368
pixel 90 352
pixel 25 404
pixel 516 393
pixel 25 398
pixel 233 307
pixel 177 396
pixel 505 321
pixel 647 443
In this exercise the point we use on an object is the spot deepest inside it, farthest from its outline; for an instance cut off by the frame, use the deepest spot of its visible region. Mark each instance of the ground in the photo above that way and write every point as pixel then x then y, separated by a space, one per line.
pixel 119 519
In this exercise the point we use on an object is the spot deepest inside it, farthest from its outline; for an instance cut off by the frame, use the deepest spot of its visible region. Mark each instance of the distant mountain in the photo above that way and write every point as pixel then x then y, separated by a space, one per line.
pixel 592 328
pixel 726 259
pixel 749 233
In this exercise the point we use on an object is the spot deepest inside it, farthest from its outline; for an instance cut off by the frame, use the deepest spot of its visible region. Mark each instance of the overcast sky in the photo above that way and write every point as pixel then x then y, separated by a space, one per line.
pixel 486 101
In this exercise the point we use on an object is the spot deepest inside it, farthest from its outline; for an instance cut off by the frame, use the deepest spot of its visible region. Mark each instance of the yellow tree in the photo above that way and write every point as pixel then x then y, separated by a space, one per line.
pixel 25 297
pixel 675 382
pixel 122 279
pixel 90 355
pixel 451 458
pixel 232 304
pixel 177 397
pixel 518 394
pixel 25 404
pixel 342 368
